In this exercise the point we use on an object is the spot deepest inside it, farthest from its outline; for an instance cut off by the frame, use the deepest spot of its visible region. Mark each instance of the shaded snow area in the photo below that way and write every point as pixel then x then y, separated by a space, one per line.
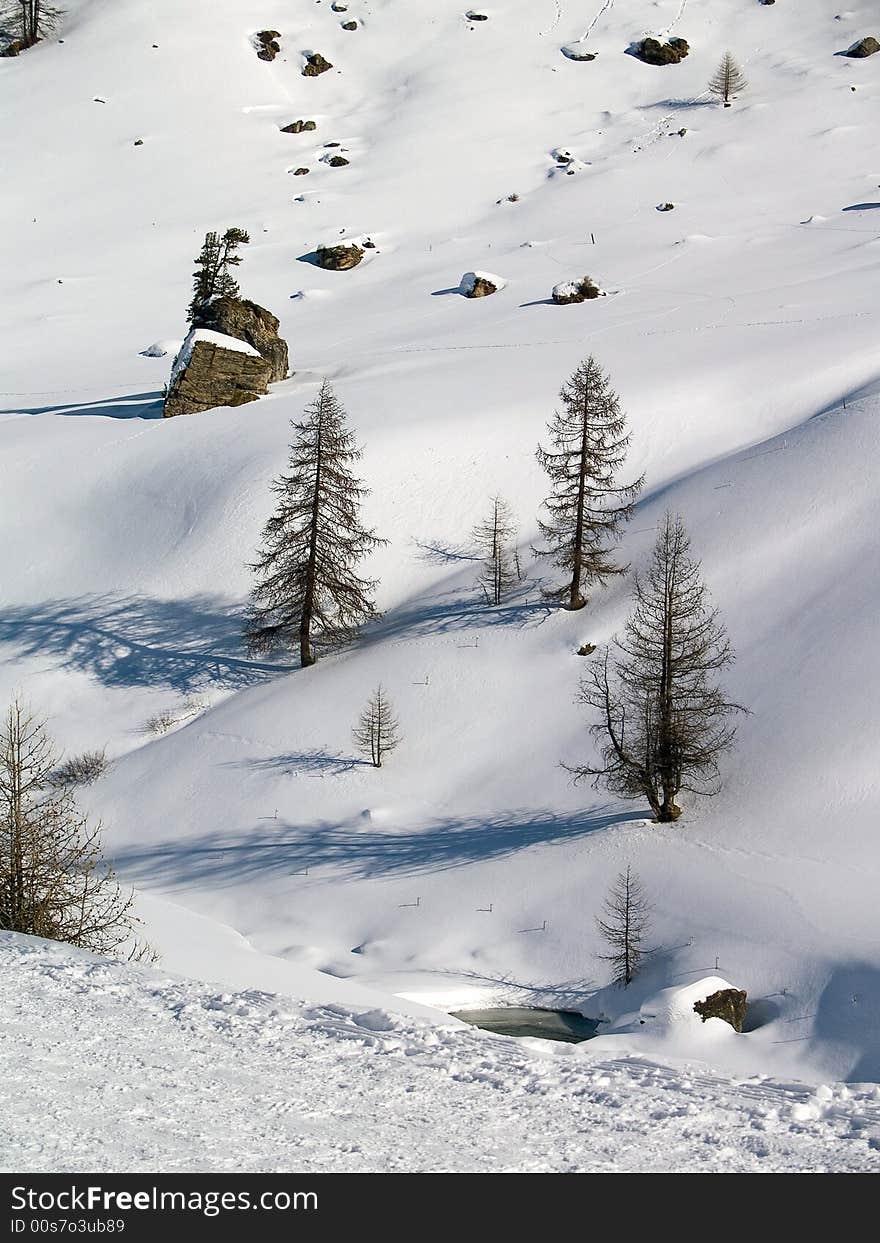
pixel 742 333
pixel 109 1067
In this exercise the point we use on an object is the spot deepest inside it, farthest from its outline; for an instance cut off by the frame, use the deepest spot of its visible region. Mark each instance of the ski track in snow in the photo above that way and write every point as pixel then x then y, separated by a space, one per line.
pixel 105 1066
pixel 606 7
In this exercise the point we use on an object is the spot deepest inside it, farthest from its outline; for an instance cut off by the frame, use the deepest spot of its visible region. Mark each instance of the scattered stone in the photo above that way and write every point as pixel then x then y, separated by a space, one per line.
pixel 338 7
pixel 341 257
pixel 864 47
pixel 681 133
pixel 665 206
pixel 575 291
pixel 587 649
pixel 267 44
pixel 577 51
pixel 248 322
pixel 728 1004
pixel 338 161
pixel 300 172
pixel 214 370
pixel 480 284
pixel 332 144
pixel 139 142
pixel 476 17
pixel 349 25
pixel 767 1
pixel 653 52
pixel 298 127
pixel 315 64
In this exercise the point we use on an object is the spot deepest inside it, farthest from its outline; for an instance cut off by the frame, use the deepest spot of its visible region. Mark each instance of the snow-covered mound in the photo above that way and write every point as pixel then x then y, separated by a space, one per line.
pixel 743 343
pixel 135 1070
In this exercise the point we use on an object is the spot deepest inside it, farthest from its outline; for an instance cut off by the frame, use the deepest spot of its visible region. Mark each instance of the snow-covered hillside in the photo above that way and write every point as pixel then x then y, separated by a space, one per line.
pixel 741 330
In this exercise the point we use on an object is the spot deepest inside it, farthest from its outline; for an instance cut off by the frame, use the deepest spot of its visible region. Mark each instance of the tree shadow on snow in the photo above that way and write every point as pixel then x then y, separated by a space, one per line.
pixel 357 849
pixel 310 763
pixel 862 207
pixel 129 406
pixel 131 640
pixel 453 612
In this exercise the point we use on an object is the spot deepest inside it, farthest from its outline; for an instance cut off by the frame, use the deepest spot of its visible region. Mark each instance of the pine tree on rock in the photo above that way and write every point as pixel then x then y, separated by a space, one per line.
pixel 626 923
pixel 586 507
pixel 377 732
pixel 494 537
pixel 727 80
pixel 664 718
pixel 53 880
pixel 308 586
pixel 212 278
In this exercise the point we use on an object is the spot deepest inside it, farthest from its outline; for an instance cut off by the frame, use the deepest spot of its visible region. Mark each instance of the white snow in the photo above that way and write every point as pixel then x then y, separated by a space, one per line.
pixel 744 345
pixel 469 280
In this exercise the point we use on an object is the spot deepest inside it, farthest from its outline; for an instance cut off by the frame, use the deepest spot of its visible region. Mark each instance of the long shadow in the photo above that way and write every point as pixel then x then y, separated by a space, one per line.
pixel 131 640
pixel 356 849
pixel 309 762
pixel 862 207
pixel 441 293
pixel 129 406
pixel 453 612
pixel 436 553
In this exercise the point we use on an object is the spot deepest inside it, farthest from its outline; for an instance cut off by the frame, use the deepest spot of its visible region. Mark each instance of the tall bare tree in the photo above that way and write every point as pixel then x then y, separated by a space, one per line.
pixel 494 537
pixel 586 507
pixel 727 80
pixel 664 718
pixel 29 21
pixel 212 278
pixel 53 880
pixel 377 732
pixel 625 926
pixel 308 585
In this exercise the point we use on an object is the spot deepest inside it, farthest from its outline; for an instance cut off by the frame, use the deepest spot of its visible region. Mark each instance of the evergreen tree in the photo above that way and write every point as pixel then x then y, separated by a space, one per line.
pixel 212 278
pixel 377 732
pixel 586 507
pixel 494 537
pixel 30 20
pixel 727 80
pixel 626 923
pixel 308 584
pixel 664 719
pixel 53 880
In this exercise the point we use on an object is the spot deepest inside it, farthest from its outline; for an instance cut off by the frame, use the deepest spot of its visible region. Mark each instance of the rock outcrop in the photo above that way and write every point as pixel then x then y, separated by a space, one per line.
pixel 248 322
pixel 214 370
pixel 865 47
pixel 575 291
pixel 315 64
pixel 480 284
pixel 653 52
pixel 728 1004
pixel 298 127
pixel 340 258
pixel 267 44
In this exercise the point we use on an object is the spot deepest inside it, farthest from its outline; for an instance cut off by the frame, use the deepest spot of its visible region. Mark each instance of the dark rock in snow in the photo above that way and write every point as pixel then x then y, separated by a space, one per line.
pixel 253 324
pixel 575 291
pixel 315 64
pixel 349 25
pixel 728 1004
pixel 298 127
pixel 865 47
pixel 338 161
pixel 340 258
pixel 476 17
pixel 300 172
pixel 214 374
pixel 268 46
pixel 587 649
pixel 665 206
pixel 653 52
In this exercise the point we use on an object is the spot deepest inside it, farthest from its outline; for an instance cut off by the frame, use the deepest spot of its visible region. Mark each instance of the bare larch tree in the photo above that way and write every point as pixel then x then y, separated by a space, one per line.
pixel 727 80
pixel 53 880
pixel 664 718
pixel 586 507
pixel 625 926
pixel 212 278
pixel 308 585
pixel 377 732
pixel 494 537
pixel 29 21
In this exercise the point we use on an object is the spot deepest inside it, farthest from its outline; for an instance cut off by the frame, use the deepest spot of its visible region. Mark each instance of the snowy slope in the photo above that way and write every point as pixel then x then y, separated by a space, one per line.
pixel 741 332
pixel 112 1067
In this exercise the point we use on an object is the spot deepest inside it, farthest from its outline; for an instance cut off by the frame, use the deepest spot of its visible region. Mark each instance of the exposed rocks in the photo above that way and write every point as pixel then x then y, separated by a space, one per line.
pixel 315 64
pixel 864 47
pixel 338 7
pixel 338 161
pixel 341 257
pixel 248 322
pixel 480 284
pixel 214 370
pixel 267 44
pixel 349 25
pixel 298 127
pixel 300 172
pixel 577 51
pixel 665 206
pixel 653 52
pixel 586 649
pixel 14 48
pixel 575 291
pixel 728 1004
pixel 476 17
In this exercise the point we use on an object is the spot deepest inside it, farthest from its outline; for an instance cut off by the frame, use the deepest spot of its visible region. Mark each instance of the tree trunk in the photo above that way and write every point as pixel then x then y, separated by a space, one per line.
pixel 575 599
pixel 306 656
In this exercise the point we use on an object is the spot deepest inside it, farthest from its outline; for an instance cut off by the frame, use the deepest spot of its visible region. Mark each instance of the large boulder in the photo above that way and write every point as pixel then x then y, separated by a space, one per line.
pixel 214 370
pixel 575 291
pixel 864 47
pixel 266 43
pixel 728 1004
pixel 653 52
pixel 480 284
pixel 246 321
pixel 339 258
pixel 315 64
